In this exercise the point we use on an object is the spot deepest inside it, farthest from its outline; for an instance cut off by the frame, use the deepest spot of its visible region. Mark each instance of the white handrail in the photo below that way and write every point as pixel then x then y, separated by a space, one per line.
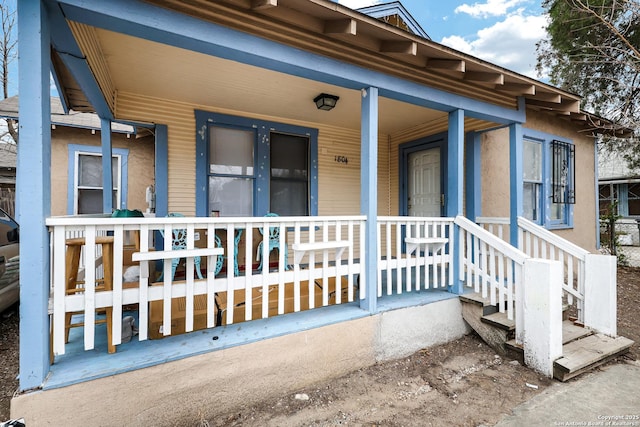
pixel 549 237
pixel 515 254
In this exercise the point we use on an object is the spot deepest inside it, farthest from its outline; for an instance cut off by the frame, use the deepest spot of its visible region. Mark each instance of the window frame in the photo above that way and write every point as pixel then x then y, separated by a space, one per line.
pixel 262 163
pixel 546 191
pixel 74 153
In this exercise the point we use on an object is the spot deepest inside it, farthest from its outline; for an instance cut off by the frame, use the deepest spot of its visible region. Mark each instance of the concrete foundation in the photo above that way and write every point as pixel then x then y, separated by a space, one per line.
pixel 184 391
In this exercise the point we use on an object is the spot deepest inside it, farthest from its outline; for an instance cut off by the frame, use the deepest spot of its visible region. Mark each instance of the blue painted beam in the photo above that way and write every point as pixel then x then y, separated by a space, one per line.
pixel 64 44
pixel 162 170
pixel 515 180
pixel 369 193
pixel 107 174
pixel 473 168
pixel 140 19
pixel 34 191
pixel 455 183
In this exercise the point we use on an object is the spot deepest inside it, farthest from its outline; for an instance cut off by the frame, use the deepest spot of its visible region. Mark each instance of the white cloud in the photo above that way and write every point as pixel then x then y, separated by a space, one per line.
pixel 510 43
pixel 357 4
pixel 490 8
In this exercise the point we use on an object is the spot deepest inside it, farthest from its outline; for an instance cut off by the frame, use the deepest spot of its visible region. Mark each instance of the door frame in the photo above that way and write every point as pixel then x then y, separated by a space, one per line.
pixel 434 141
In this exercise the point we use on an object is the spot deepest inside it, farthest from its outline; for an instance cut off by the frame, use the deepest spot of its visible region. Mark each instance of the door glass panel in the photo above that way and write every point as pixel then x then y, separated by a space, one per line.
pixel 231 151
pixel 231 196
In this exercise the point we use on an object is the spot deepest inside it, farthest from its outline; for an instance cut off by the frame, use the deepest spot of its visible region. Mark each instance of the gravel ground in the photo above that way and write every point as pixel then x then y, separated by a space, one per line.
pixel 9 362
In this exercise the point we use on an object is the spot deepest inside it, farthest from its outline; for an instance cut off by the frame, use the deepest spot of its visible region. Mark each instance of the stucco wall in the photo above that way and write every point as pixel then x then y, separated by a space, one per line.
pixel 140 165
pixel 495 175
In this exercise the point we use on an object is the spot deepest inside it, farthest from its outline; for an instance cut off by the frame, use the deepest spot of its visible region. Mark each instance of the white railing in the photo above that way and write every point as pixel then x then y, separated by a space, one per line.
pixel 491 267
pixel 538 242
pixel 414 253
pixel 320 266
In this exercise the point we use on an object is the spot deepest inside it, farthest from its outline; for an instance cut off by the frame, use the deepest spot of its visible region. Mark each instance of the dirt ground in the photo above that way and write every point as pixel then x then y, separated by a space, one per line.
pixel 462 383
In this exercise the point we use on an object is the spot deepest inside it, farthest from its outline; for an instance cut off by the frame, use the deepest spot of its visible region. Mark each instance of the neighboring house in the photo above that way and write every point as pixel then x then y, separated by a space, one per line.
pixel 621 185
pixel 378 148
pixel 8 177
pixel 76 161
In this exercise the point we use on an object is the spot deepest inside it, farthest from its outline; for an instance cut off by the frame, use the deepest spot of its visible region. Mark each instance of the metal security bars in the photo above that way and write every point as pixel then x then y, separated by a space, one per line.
pixel 563 172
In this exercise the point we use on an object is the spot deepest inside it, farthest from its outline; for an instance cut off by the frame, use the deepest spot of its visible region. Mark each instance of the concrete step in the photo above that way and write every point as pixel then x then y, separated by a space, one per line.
pixel 584 354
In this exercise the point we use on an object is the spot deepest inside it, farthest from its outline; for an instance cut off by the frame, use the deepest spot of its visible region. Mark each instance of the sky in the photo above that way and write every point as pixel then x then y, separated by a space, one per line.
pixel 504 32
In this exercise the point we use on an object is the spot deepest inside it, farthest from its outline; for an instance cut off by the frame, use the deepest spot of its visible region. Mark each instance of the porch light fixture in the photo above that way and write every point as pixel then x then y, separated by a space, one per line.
pixel 324 101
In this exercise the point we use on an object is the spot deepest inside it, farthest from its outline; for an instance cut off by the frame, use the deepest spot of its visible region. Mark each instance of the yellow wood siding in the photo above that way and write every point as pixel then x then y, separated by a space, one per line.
pixel 339 183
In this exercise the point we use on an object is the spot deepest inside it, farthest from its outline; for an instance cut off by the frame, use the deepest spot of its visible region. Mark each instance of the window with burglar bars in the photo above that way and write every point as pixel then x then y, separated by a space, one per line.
pixel 563 172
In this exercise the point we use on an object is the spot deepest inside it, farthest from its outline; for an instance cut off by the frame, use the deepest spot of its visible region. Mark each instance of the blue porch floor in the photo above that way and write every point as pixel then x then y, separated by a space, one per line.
pixel 78 365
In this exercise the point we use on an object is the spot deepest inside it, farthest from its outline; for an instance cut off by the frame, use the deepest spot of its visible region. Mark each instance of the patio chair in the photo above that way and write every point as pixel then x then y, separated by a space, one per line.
pixel 179 242
pixel 274 243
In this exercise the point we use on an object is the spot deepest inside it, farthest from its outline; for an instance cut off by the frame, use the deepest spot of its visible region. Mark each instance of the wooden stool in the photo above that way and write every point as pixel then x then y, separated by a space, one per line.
pixel 75 286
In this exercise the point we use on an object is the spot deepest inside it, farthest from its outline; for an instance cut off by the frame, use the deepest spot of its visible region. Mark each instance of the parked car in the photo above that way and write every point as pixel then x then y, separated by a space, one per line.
pixel 9 261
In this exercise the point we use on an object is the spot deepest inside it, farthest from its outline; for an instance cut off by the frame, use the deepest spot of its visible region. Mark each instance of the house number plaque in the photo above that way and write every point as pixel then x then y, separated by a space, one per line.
pixel 341 159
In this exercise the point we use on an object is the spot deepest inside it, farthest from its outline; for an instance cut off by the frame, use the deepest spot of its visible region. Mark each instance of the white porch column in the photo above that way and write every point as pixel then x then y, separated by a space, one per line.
pixel 369 193
pixel 455 185
pixel 600 294
pixel 34 190
pixel 515 177
pixel 107 175
pixel 542 294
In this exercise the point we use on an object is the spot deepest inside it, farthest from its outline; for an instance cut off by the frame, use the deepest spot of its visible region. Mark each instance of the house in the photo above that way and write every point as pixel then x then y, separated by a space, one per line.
pixel 619 184
pixel 76 161
pixel 403 173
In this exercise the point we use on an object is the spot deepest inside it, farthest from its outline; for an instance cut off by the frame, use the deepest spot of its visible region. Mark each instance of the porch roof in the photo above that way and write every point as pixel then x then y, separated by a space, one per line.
pixel 329 29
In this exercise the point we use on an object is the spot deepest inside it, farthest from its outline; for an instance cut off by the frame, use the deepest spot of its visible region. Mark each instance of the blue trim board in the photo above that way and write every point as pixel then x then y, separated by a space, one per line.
pixel 153 23
pixel 369 192
pixel 65 46
pixel 262 129
pixel 33 203
pixel 162 170
pixel 107 175
pixel 433 141
pixel 473 171
pixel 515 180
pixel 72 149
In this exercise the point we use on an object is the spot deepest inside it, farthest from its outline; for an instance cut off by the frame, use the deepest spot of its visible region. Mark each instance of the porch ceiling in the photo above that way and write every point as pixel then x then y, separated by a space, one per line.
pixel 155 70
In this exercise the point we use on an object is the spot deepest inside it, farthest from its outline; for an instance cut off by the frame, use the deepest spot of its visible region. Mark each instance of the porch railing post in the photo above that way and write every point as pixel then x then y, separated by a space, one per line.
pixel 542 335
pixel 600 294
pixel 455 180
pixel 515 175
pixel 34 191
pixel 369 193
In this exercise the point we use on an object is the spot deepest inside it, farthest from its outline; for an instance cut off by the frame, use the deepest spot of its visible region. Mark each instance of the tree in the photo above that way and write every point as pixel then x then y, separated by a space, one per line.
pixel 593 49
pixel 8 53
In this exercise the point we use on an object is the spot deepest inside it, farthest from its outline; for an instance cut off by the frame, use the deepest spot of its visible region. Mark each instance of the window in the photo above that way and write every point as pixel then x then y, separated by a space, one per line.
pixel 626 194
pixel 548 180
pixel 250 167
pixel 85 179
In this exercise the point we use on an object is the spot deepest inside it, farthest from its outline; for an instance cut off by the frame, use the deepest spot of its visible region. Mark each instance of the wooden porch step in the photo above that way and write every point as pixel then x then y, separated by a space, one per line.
pixel 584 354
pixel 476 298
pixel 499 320
pixel 570 332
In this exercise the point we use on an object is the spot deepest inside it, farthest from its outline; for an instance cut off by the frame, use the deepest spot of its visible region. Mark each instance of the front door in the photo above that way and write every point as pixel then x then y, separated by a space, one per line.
pixel 423 183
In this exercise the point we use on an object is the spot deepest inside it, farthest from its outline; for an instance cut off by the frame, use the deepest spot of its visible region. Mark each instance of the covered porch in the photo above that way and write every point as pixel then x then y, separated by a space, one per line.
pixel 358 248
